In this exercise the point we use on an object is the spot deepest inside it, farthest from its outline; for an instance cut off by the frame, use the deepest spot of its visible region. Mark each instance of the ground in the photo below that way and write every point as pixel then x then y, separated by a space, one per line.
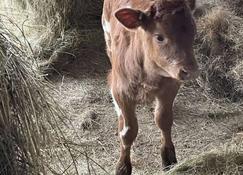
pixel 200 124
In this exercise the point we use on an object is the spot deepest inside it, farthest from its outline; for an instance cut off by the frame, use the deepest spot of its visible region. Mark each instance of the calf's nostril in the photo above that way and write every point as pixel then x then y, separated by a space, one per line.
pixel 188 74
pixel 184 73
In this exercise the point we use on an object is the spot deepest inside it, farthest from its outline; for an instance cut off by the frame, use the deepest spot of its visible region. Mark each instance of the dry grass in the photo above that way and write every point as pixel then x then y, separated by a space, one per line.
pixel 225 160
pixel 236 6
pixel 71 26
pixel 22 110
pixel 59 31
pixel 31 118
pixel 219 49
pixel 33 128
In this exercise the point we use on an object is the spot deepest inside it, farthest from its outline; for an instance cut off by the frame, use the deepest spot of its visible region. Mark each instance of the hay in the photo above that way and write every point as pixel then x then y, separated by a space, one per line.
pixel 72 26
pixel 35 133
pixel 58 30
pixel 219 49
pixel 22 110
pixel 31 123
pixel 225 160
pixel 236 6
pixel 75 44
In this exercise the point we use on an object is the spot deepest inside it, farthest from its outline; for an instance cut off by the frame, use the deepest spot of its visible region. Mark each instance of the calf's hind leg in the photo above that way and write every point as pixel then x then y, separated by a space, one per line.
pixel 128 129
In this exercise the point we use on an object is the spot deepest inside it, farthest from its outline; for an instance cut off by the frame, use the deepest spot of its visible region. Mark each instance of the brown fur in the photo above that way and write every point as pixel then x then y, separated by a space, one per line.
pixel 144 68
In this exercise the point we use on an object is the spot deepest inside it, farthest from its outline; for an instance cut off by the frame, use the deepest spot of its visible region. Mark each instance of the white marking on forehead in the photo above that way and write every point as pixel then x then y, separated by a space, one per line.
pixel 106 26
pixel 117 108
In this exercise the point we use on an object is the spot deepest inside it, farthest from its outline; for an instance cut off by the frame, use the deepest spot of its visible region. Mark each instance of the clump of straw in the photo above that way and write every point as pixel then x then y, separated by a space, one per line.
pixel 224 160
pixel 219 50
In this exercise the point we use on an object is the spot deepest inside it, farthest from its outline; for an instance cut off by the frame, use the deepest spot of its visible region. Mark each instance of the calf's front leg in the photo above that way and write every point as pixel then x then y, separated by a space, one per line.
pixel 127 129
pixel 164 120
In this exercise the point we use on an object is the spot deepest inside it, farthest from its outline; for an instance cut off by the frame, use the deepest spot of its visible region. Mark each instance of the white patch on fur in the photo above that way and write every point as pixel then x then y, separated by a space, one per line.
pixel 123 134
pixel 117 108
pixel 106 26
pixel 164 73
pixel 107 37
pixel 124 131
pixel 128 6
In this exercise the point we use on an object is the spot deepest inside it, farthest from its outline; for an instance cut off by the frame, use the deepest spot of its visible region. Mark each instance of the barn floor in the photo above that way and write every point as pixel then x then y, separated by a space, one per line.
pixel 200 125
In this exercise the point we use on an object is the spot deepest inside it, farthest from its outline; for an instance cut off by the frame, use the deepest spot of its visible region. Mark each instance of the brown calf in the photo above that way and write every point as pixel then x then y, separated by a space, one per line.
pixel 149 43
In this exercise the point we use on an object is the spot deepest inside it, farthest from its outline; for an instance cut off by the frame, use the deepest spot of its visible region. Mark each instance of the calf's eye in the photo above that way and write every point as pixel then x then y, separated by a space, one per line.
pixel 159 38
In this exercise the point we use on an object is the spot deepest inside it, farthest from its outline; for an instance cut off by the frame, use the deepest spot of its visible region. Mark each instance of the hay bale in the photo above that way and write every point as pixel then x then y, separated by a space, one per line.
pixel 20 95
pixel 28 115
pixel 218 48
pixel 226 160
pixel 75 44
pixel 58 30
pixel 74 25
pixel 35 134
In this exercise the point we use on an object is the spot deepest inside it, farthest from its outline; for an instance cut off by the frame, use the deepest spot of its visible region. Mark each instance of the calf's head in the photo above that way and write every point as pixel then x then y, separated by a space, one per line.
pixel 167 31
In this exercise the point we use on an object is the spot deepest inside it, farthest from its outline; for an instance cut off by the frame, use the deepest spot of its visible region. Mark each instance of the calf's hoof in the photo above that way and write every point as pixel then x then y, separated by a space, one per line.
pixel 124 168
pixel 168 157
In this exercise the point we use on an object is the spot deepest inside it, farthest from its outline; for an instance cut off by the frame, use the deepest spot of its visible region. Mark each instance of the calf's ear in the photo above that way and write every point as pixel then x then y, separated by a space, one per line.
pixel 192 4
pixel 129 18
